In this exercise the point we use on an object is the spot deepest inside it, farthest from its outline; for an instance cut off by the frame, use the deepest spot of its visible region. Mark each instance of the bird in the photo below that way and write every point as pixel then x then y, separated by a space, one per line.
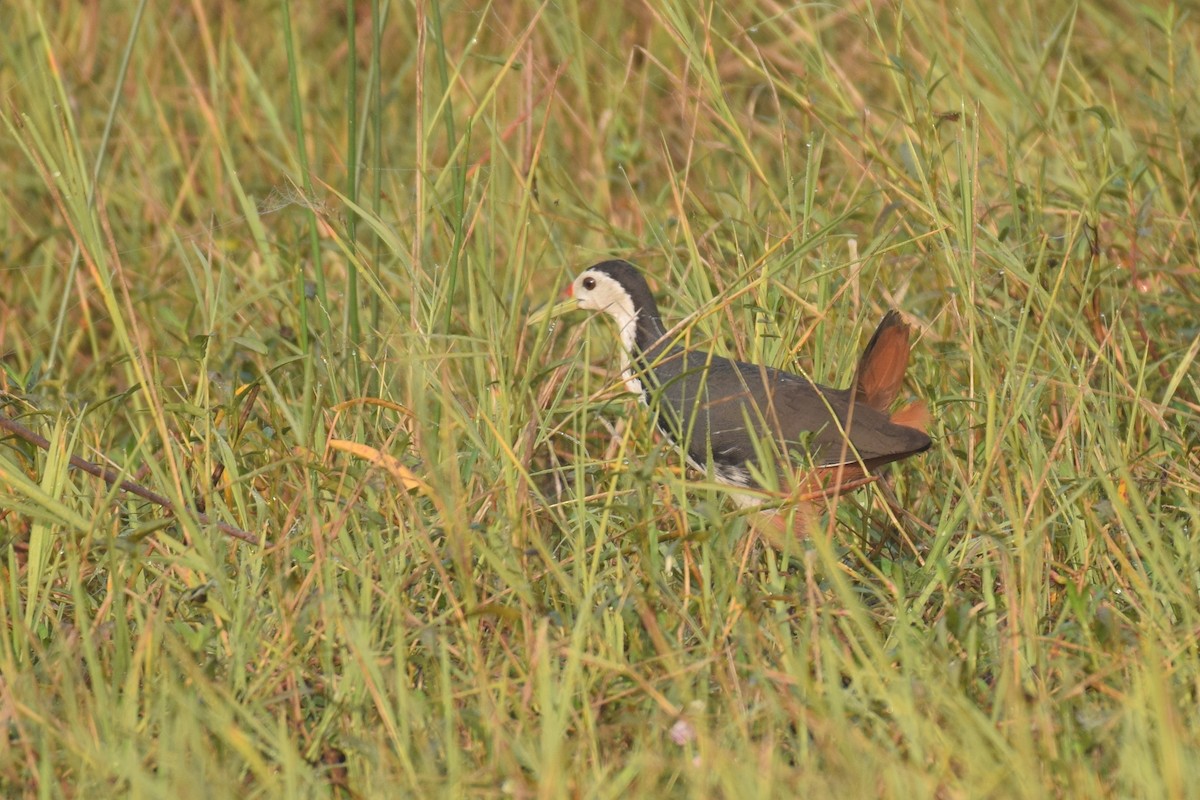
pixel 760 430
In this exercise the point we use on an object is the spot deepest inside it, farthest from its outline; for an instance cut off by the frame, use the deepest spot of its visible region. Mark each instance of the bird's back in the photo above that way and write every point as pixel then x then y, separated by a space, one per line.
pixel 734 416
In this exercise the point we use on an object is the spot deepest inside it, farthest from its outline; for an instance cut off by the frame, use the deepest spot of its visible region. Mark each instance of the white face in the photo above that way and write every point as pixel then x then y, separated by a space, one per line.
pixel 596 291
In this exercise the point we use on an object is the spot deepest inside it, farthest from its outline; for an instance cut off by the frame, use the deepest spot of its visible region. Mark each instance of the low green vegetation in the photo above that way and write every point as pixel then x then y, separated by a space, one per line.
pixel 274 262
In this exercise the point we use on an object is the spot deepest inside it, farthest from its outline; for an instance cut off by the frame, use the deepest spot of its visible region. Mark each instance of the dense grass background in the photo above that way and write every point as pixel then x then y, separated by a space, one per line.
pixel 242 238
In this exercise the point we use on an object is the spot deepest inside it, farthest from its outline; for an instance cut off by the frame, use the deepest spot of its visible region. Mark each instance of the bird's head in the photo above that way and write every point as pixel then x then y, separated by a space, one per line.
pixel 597 290
pixel 615 288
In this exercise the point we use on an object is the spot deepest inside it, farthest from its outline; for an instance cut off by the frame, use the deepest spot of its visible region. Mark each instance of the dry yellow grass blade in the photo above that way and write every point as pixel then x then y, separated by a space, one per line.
pixel 402 474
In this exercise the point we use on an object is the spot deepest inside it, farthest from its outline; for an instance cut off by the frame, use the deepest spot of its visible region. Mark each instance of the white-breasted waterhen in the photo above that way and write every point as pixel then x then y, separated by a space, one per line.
pixel 753 424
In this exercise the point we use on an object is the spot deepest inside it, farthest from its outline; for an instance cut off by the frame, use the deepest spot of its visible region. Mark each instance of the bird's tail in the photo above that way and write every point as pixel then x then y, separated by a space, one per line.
pixel 913 415
pixel 881 368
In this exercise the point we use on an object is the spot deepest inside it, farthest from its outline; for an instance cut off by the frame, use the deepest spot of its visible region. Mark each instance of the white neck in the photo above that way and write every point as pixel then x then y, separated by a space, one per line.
pixel 628 334
pixel 625 317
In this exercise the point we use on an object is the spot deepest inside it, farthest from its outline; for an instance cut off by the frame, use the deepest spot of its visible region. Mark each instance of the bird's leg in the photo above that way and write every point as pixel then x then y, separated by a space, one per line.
pixel 792 517
pixel 784 523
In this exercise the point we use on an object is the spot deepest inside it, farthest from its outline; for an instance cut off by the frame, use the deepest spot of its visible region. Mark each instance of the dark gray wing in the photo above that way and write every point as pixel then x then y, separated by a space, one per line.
pixel 731 412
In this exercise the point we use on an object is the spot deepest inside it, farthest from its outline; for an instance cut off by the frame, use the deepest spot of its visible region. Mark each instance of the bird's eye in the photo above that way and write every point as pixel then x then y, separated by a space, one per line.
pixel 589 283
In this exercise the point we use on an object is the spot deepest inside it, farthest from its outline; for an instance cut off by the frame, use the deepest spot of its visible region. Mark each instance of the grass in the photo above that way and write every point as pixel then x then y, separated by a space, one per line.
pixel 248 247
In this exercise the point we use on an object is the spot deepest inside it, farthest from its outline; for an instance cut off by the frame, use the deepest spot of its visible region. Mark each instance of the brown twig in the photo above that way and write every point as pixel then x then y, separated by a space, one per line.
pixel 113 478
